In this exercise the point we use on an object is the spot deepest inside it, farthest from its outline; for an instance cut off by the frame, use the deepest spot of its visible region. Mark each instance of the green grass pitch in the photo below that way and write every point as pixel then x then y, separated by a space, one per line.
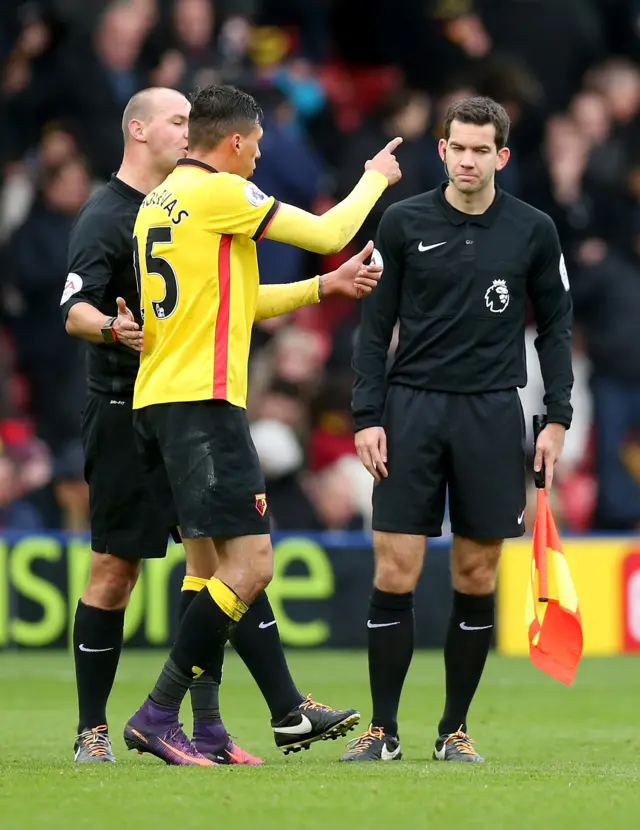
pixel 557 757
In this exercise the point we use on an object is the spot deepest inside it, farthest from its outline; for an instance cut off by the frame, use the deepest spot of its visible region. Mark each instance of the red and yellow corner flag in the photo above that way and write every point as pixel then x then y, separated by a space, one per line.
pixel 554 625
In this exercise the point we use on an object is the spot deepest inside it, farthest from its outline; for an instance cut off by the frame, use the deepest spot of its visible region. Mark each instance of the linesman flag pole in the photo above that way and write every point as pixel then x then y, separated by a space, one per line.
pixel 554 625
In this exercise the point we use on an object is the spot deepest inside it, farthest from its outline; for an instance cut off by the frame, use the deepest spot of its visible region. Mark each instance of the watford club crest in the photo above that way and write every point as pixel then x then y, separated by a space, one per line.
pixel 261 503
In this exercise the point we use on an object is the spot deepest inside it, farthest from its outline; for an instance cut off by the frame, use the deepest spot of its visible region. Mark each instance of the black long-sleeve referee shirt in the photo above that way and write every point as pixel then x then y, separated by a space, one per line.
pixel 458 285
pixel 101 270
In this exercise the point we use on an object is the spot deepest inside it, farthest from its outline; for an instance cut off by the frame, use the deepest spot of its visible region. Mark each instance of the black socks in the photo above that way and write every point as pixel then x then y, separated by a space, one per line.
pixel 465 654
pixel 390 627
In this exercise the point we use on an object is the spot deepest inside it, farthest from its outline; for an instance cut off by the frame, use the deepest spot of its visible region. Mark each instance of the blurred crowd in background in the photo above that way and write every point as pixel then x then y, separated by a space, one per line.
pixel 336 79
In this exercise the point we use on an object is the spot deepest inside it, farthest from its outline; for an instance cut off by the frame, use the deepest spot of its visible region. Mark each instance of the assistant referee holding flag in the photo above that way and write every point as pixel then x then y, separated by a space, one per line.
pixel 459 263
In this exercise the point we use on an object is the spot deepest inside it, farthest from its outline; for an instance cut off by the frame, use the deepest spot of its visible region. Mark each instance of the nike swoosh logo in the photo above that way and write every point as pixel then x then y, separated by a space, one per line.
pixel 381 625
pixel 466 627
pixel 521 517
pixel 385 755
pixel 200 762
pixel 422 247
pixel 82 647
pixel 441 753
pixel 267 624
pixel 302 728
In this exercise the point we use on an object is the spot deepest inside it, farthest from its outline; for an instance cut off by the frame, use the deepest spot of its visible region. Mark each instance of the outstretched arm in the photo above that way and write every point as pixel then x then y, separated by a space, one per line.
pixel 331 231
pixel 352 279
pixel 274 300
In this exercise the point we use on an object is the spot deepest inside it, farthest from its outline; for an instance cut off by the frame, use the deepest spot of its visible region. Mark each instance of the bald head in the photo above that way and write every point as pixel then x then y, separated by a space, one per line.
pixel 155 125
pixel 148 103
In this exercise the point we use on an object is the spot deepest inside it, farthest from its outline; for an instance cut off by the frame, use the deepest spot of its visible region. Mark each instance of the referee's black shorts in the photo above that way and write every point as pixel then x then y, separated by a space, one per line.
pixel 211 463
pixel 473 445
pixel 130 513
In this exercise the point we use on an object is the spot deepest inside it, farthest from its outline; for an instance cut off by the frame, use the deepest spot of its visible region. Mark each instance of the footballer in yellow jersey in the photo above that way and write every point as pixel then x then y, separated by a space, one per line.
pixel 195 238
pixel 195 246
pixel 195 243
pixel 196 260
pixel 195 253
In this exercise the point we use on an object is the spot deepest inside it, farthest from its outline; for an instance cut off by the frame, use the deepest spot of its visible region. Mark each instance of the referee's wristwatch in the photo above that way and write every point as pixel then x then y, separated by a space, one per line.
pixel 109 334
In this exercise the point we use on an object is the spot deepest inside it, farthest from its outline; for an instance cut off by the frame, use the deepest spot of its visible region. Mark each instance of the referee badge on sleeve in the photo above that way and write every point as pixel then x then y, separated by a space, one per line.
pixel 261 503
pixel 376 258
pixel 71 287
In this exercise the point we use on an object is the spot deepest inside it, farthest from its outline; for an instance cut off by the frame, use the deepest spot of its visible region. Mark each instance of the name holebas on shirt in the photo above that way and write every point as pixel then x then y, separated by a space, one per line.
pixel 166 200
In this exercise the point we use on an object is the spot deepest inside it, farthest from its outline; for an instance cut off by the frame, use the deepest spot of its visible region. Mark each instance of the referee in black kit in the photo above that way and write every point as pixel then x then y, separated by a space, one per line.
pixel 127 523
pixel 459 264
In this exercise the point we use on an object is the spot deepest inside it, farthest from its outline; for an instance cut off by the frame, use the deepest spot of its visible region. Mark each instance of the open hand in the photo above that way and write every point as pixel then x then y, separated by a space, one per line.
pixel 126 328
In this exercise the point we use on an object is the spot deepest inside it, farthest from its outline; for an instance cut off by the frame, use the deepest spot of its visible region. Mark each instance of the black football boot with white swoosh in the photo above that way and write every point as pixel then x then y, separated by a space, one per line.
pixel 311 721
pixel 456 747
pixel 373 745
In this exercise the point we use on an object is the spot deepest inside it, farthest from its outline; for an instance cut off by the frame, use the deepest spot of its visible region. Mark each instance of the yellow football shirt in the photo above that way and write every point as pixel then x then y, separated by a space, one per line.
pixel 195 250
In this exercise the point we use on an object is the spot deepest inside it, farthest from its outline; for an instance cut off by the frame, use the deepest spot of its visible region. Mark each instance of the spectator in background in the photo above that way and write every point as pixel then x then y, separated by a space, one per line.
pixel 191 59
pixel 592 117
pixel 591 114
pixel 607 304
pixel 298 356
pixel 556 39
pixel 331 433
pixel 22 179
pixel 97 78
pixel 555 182
pixel 406 113
pixel 281 460
pixel 312 21
pixel 618 81
pixel 428 40
pixel 279 431
pixel 298 80
pixel 15 514
pixel 332 495
pixel 283 401
pixel 509 81
pixel 299 500
pixel 24 467
pixel 26 57
pixel 37 257
pixel 195 59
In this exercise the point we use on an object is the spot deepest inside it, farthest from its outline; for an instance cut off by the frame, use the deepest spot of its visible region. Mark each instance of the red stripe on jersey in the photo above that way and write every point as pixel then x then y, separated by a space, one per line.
pixel 221 354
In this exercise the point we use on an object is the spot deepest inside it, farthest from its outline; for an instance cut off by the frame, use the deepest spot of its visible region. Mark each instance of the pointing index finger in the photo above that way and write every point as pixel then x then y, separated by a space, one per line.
pixel 391 146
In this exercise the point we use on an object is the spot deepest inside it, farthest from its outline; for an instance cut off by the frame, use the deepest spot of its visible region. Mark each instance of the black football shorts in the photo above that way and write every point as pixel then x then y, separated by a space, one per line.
pixel 212 466
pixel 472 446
pixel 129 510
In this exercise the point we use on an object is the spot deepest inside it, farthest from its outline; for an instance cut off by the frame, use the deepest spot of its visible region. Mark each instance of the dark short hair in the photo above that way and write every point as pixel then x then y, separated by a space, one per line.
pixel 218 110
pixel 480 111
